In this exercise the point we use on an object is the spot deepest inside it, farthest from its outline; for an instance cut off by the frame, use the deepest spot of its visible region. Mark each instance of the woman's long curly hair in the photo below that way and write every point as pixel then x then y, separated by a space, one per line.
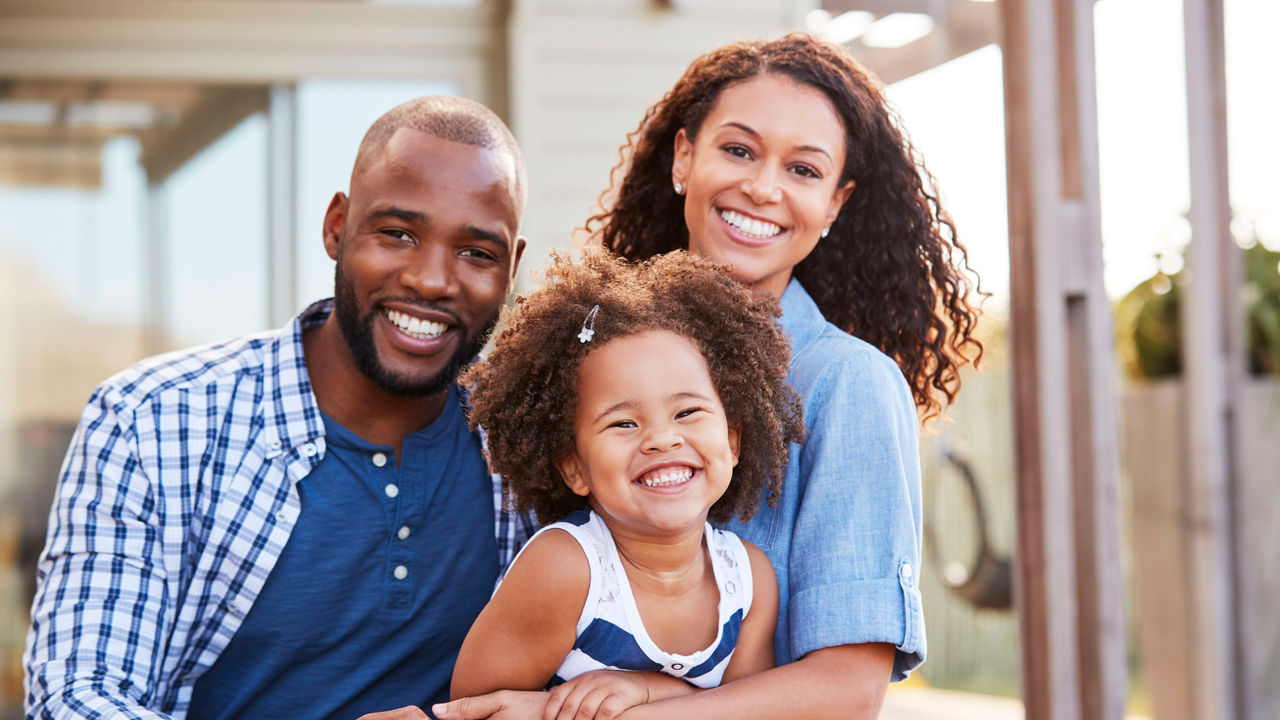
pixel 891 271
pixel 525 393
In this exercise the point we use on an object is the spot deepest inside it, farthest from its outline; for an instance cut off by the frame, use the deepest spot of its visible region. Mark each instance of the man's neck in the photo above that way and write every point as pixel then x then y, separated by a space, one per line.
pixel 353 401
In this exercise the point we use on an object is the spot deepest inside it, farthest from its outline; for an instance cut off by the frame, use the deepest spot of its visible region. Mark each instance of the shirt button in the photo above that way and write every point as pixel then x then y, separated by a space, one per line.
pixel 309 450
pixel 391 490
pixel 907 572
pixel 403 532
pixel 401 572
pixel 379 459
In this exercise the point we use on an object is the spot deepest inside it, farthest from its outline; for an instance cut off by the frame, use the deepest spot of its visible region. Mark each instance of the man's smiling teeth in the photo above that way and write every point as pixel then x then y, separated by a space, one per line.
pixel 415 327
pixel 667 477
pixel 749 226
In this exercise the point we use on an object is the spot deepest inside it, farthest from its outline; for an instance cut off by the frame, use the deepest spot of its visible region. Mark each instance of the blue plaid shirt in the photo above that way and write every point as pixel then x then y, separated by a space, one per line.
pixel 174 502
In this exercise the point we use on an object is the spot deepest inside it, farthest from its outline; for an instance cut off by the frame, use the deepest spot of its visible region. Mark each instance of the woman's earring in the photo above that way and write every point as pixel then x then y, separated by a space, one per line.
pixel 826 231
pixel 679 189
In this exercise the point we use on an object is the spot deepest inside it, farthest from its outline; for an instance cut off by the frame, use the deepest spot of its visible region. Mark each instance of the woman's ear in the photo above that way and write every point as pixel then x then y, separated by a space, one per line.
pixel 680 163
pixel 571 471
pixel 838 199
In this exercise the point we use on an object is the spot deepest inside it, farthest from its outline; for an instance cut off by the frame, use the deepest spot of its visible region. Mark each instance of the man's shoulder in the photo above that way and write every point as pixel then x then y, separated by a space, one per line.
pixel 193 368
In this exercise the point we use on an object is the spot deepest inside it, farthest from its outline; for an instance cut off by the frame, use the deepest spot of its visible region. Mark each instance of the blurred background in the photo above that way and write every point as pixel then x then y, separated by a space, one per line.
pixel 165 166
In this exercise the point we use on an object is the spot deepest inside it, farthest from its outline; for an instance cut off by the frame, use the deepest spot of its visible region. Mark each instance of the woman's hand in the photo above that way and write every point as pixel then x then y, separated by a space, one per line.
pixel 498 705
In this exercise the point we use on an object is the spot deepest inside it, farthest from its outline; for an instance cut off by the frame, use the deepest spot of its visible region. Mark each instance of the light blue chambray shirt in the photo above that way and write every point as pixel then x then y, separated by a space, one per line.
pixel 844 538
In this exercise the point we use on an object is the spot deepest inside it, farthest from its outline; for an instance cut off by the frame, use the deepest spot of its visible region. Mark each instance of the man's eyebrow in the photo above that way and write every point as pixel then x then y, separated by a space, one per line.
pixel 412 216
pixel 750 131
pixel 480 233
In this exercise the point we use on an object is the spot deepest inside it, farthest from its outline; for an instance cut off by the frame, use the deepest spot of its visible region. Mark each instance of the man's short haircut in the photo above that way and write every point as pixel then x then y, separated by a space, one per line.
pixel 449 118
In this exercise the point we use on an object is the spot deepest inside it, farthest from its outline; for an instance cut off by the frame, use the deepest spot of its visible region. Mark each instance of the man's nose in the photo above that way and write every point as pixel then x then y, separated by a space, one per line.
pixel 763 185
pixel 431 273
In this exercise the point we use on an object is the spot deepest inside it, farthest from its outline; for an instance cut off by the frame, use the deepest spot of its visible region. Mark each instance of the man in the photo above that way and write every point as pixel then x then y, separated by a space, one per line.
pixel 299 523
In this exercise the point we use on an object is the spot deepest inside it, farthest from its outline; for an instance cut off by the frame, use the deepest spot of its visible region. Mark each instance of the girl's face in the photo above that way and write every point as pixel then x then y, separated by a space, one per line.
pixel 654 449
pixel 762 179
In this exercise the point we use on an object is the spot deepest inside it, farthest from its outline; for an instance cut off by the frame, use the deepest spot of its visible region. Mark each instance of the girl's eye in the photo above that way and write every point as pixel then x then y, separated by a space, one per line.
pixel 626 424
pixel 737 151
pixel 687 412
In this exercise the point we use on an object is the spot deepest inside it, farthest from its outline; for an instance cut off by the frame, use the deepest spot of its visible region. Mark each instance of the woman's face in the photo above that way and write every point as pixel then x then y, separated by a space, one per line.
pixel 762 179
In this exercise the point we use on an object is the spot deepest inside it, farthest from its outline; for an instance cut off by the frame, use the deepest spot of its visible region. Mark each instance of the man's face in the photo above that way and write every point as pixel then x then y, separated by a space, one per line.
pixel 426 250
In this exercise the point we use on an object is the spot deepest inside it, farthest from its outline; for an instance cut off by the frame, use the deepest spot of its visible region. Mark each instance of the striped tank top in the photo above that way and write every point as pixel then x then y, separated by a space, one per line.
pixel 610 633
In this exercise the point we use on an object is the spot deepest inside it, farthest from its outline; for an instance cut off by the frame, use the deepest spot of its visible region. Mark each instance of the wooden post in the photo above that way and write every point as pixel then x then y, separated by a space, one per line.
pixel 1067 572
pixel 1213 369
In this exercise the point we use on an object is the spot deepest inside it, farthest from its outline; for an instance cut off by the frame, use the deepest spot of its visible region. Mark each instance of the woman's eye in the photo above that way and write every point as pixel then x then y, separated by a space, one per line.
pixel 737 151
pixel 806 171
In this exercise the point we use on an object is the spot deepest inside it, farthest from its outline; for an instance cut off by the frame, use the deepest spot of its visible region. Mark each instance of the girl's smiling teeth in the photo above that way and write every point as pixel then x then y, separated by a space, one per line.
pixel 750 226
pixel 666 477
pixel 415 327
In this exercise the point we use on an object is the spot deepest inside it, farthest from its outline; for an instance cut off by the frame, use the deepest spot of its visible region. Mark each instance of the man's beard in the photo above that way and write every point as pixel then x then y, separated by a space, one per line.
pixel 358 332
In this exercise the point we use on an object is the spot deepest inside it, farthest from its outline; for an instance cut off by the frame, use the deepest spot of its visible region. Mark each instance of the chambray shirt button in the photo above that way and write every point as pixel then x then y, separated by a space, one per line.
pixel 391 490
pixel 309 450
pixel 401 572
pixel 379 459
pixel 403 532
pixel 907 572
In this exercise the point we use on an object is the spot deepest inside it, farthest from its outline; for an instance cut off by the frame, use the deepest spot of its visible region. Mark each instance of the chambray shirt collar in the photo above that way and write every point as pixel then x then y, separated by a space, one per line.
pixel 293 426
pixel 801 317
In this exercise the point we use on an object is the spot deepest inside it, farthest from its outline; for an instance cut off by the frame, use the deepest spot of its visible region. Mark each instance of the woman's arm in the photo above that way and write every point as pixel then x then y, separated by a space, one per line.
pixel 754 651
pixel 529 625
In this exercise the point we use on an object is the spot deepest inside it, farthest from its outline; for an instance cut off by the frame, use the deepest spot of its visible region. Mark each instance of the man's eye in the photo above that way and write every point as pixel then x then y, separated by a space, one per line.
pixel 478 254
pixel 397 234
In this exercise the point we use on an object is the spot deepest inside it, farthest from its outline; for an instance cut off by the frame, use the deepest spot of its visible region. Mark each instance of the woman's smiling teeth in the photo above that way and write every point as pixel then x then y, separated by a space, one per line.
pixel 749 226
pixel 415 327
pixel 666 477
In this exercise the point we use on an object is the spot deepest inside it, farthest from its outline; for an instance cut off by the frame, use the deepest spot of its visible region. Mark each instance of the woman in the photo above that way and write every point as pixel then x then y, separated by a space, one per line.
pixel 782 159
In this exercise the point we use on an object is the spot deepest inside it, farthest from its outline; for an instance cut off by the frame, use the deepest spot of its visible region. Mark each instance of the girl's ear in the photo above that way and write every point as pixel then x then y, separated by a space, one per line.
pixel 733 445
pixel 571 472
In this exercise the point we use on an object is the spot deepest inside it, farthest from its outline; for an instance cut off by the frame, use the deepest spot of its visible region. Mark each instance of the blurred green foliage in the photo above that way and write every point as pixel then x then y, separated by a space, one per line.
pixel 1149 333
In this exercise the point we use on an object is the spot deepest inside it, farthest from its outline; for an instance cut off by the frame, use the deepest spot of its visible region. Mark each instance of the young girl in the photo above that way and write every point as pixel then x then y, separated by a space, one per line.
pixel 627 404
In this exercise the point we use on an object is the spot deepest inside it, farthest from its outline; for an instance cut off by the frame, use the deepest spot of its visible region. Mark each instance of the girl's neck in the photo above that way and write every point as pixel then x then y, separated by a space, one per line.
pixel 667 565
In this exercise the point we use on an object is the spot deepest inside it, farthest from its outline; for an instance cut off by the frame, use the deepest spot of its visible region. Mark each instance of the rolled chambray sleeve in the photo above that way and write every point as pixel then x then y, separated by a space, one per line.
pixel 101 603
pixel 855 554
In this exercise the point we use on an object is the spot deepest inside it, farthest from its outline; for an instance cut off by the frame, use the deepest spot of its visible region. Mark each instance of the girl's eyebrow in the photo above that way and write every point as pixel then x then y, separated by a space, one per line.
pixel 629 405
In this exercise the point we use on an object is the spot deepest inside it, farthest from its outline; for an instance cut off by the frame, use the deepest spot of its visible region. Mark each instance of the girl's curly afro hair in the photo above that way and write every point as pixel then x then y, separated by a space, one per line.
pixel 524 394
pixel 891 271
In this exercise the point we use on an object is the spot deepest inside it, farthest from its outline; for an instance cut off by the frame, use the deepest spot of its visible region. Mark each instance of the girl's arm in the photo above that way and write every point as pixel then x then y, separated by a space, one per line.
pixel 754 651
pixel 529 625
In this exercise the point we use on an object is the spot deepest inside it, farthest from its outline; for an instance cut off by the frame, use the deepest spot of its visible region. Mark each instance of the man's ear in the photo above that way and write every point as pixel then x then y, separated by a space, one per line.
pixel 335 219
pixel 734 438
pixel 680 163
pixel 515 262
pixel 571 471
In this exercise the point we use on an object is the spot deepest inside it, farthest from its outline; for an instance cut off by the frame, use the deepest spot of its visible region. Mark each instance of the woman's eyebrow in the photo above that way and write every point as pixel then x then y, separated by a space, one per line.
pixel 750 131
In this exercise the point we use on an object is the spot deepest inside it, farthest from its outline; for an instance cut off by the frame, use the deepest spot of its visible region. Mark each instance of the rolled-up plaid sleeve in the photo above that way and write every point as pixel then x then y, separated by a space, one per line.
pixel 102 608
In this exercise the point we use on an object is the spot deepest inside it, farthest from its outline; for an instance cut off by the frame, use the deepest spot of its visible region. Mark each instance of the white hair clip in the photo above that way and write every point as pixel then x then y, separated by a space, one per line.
pixel 589 326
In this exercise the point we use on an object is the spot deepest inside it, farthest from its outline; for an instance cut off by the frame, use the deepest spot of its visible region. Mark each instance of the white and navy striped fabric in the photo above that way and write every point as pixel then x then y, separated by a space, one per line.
pixel 174 502
pixel 610 632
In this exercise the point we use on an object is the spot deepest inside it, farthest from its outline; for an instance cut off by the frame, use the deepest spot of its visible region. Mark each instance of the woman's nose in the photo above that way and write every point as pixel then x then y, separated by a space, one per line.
pixel 762 186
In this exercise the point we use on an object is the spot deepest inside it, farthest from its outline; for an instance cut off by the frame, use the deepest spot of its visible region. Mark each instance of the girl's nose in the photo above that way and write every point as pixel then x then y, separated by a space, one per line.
pixel 662 440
